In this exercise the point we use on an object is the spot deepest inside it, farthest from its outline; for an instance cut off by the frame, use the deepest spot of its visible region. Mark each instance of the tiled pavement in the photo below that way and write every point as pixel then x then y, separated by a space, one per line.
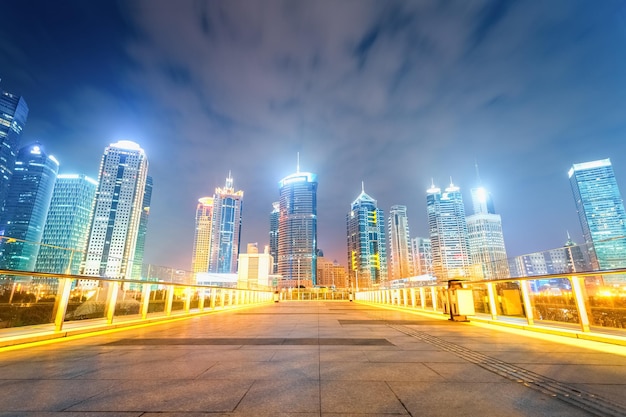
pixel 313 359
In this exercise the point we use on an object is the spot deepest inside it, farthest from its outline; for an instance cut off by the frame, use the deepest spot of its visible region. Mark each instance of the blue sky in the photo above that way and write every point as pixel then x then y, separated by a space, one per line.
pixel 394 94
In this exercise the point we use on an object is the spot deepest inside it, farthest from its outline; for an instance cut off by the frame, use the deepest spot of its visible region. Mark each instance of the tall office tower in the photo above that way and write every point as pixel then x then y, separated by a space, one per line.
pixel 367 250
pixel 13 115
pixel 422 253
pixel 27 204
pixel 117 212
pixel 274 215
pixel 297 223
pixel 448 232
pixel 202 238
pixel 486 240
pixel 600 211
pixel 577 258
pixel 67 224
pixel 226 228
pixel 400 257
pixel 143 229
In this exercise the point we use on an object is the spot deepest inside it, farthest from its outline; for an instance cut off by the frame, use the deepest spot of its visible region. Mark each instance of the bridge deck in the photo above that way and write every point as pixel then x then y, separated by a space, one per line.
pixel 314 359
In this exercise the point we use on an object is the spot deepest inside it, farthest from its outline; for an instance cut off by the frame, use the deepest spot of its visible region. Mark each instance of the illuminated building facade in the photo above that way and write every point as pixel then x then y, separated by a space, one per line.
pixel 400 256
pixel 143 230
pixel 297 225
pixel 67 225
pixel 202 238
pixel 225 229
pixel 486 240
pixel 600 211
pixel 422 253
pixel 13 115
pixel 367 250
pixel 331 274
pixel 274 215
pixel 448 232
pixel 26 208
pixel 118 209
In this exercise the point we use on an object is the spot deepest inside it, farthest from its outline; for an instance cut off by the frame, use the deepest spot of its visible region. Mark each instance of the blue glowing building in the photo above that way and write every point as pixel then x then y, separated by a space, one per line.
pixel 13 115
pixel 226 228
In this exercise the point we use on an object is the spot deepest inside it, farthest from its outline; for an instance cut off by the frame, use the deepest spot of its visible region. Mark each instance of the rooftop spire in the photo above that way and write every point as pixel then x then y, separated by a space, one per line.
pixel 362 187
pixel 298 163
pixel 229 180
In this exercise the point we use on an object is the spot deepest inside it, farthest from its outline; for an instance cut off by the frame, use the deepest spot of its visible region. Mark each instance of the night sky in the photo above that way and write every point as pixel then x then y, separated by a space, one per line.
pixel 394 94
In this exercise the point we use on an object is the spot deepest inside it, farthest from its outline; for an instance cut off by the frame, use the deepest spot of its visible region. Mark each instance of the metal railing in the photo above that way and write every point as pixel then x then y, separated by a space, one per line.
pixel 54 301
pixel 584 302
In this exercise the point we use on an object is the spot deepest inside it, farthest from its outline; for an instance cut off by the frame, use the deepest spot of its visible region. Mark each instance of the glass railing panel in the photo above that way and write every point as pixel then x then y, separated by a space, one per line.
pixel 128 301
pixel 26 300
pixel 178 302
pixel 428 297
pixel 158 299
pixel 87 300
pixel 481 298
pixel 552 300
pixel 605 300
pixel 509 299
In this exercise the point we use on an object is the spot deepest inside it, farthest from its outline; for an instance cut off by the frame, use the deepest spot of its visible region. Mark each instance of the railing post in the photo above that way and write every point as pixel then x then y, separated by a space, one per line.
pixel 187 299
pixel 222 297
pixel 200 299
pixel 404 297
pixel 493 309
pixel 60 303
pixel 413 300
pixel 526 299
pixel 111 300
pixel 170 300
pixel 433 294
pixel 145 300
pixel 213 298
pixel 579 298
pixel 423 297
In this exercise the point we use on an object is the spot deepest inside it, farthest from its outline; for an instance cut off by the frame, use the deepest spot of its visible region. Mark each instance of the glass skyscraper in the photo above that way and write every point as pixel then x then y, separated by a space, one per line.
pixel 400 256
pixel 117 212
pixel 143 230
pixel 13 115
pixel 226 228
pixel 274 235
pixel 422 252
pixel 297 225
pixel 600 211
pixel 26 209
pixel 202 237
pixel 67 224
pixel 448 232
pixel 486 240
pixel 367 252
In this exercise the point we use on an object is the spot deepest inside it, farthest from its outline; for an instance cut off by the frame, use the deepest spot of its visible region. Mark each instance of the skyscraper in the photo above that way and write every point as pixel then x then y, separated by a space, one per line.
pixel 600 211
pixel 143 230
pixel 27 204
pixel 67 224
pixel 297 225
pixel 226 228
pixel 202 238
pixel 400 257
pixel 486 240
pixel 448 232
pixel 274 215
pixel 117 212
pixel 367 251
pixel 422 252
pixel 13 115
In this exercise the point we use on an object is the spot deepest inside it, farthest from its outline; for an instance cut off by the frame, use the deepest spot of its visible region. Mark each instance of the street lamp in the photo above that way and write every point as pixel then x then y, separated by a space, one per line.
pixel 298 278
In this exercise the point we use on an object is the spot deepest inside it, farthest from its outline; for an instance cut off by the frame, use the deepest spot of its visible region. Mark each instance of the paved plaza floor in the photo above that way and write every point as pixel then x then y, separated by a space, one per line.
pixel 314 359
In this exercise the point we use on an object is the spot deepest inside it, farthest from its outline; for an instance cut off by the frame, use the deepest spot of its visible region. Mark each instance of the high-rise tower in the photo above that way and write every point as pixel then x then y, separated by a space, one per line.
pixel 448 232
pixel 274 215
pixel 67 224
pixel 367 252
pixel 297 225
pixel 226 228
pixel 13 115
pixel 422 252
pixel 600 211
pixel 117 212
pixel 400 257
pixel 27 204
pixel 202 238
pixel 486 240
pixel 143 230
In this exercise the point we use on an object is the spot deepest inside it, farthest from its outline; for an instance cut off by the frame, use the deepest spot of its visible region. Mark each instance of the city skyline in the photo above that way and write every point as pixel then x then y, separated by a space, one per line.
pixel 380 93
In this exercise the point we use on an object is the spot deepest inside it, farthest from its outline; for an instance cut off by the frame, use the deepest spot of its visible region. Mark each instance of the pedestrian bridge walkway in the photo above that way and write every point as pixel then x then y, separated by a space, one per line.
pixel 314 358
